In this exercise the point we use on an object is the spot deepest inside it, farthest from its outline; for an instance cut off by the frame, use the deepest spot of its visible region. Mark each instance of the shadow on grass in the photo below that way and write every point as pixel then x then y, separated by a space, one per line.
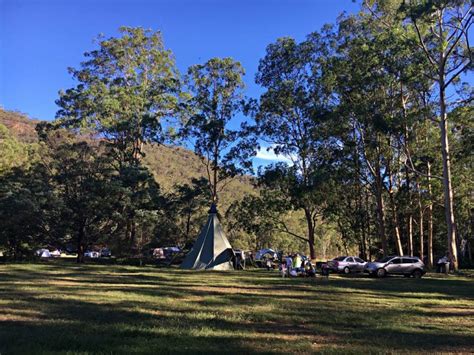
pixel 58 308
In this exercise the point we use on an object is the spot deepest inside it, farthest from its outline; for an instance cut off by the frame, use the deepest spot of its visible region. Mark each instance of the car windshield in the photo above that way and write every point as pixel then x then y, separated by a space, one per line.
pixel 384 260
pixel 341 258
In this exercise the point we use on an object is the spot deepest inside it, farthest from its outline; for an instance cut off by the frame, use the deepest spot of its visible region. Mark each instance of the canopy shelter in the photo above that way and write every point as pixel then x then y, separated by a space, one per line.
pixel 212 250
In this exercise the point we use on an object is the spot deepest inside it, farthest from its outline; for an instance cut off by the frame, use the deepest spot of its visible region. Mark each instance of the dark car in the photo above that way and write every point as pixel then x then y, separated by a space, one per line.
pixel 105 253
pixel 397 265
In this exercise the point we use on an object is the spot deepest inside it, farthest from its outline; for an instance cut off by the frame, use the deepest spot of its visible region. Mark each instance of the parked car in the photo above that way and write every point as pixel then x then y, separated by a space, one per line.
pixel 92 254
pixel 346 264
pixel 170 252
pixel 105 253
pixel 398 265
pixel 70 249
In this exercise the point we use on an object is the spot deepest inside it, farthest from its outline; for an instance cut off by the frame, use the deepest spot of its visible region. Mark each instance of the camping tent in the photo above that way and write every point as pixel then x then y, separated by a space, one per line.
pixel 212 250
pixel 45 253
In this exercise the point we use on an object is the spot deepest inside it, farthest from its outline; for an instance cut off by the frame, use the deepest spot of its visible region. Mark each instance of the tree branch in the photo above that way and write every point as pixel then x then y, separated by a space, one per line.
pixel 423 45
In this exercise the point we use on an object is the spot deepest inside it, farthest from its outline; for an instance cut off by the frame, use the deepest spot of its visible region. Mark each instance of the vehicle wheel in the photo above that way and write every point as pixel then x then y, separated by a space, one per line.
pixel 347 270
pixel 381 273
pixel 417 274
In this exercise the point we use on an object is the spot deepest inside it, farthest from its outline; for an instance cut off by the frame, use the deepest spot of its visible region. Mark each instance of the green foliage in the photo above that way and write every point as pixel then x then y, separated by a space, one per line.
pixel 216 89
pixel 293 116
pixel 28 211
pixel 12 152
pixel 186 210
pixel 126 87
pixel 77 177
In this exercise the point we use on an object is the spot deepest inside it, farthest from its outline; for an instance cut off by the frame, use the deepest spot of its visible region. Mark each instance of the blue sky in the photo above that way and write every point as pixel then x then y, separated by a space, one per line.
pixel 39 39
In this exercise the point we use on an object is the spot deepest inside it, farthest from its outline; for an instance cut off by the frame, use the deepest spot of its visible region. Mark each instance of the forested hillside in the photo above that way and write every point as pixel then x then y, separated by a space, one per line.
pixel 20 125
pixel 178 171
pixel 171 165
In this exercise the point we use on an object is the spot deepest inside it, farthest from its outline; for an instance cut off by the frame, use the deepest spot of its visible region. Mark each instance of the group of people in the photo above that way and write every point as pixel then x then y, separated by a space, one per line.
pixel 296 265
pixel 293 265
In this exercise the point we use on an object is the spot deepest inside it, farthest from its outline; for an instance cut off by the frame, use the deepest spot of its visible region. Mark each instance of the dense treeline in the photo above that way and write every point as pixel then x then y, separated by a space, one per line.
pixel 372 112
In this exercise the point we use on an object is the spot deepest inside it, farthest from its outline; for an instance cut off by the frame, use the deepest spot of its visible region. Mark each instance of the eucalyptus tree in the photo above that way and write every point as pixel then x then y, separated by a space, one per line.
pixel 258 217
pixel 442 35
pixel 365 92
pixel 292 120
pixel 216 92
pixel 28 206
pixel 267 221
pixel 126 88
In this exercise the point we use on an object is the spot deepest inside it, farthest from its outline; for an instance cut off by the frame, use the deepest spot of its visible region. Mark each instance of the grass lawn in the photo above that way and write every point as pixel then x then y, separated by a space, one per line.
pixel 62 307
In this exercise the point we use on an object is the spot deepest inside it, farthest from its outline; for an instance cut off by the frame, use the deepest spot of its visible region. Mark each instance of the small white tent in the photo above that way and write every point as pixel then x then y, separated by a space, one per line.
pixel 45 253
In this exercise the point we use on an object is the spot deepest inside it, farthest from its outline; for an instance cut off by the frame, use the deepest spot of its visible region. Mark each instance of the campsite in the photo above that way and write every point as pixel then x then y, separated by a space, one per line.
pixel 255 176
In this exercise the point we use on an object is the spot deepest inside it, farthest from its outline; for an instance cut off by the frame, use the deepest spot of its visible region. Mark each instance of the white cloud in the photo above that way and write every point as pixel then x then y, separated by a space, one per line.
pixel 267 153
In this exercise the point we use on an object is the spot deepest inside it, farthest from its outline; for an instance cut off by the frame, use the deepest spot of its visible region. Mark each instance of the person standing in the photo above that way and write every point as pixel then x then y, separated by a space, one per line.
pixel 289 263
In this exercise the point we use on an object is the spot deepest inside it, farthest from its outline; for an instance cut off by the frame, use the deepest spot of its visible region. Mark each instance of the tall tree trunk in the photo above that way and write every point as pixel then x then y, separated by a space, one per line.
pixel 80 243
pixel 368 221
pixel 360 217
pixel 364 243
pixel 469 239
pixel 133 237
pixel 396 226
pixel 430 218
pixel 214 188
pixel 188 226
pixel 380 208
pixel 381 221
pixel 311 230
pixel 420 223
pixel 409 216
pixel 407 174
pixel 410 234
pixel 448 191
pixel 215 174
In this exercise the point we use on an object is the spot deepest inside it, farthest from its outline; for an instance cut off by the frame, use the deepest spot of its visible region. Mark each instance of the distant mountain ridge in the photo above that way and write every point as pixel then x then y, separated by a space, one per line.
pixel 20 125
pixel 170 165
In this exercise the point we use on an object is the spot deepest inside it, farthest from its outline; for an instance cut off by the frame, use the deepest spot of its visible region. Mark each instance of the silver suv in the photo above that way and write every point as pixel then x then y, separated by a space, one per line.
pixel 400 265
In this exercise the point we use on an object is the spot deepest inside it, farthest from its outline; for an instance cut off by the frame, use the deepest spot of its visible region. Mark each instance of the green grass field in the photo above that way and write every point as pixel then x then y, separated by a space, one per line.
pixel 50 308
